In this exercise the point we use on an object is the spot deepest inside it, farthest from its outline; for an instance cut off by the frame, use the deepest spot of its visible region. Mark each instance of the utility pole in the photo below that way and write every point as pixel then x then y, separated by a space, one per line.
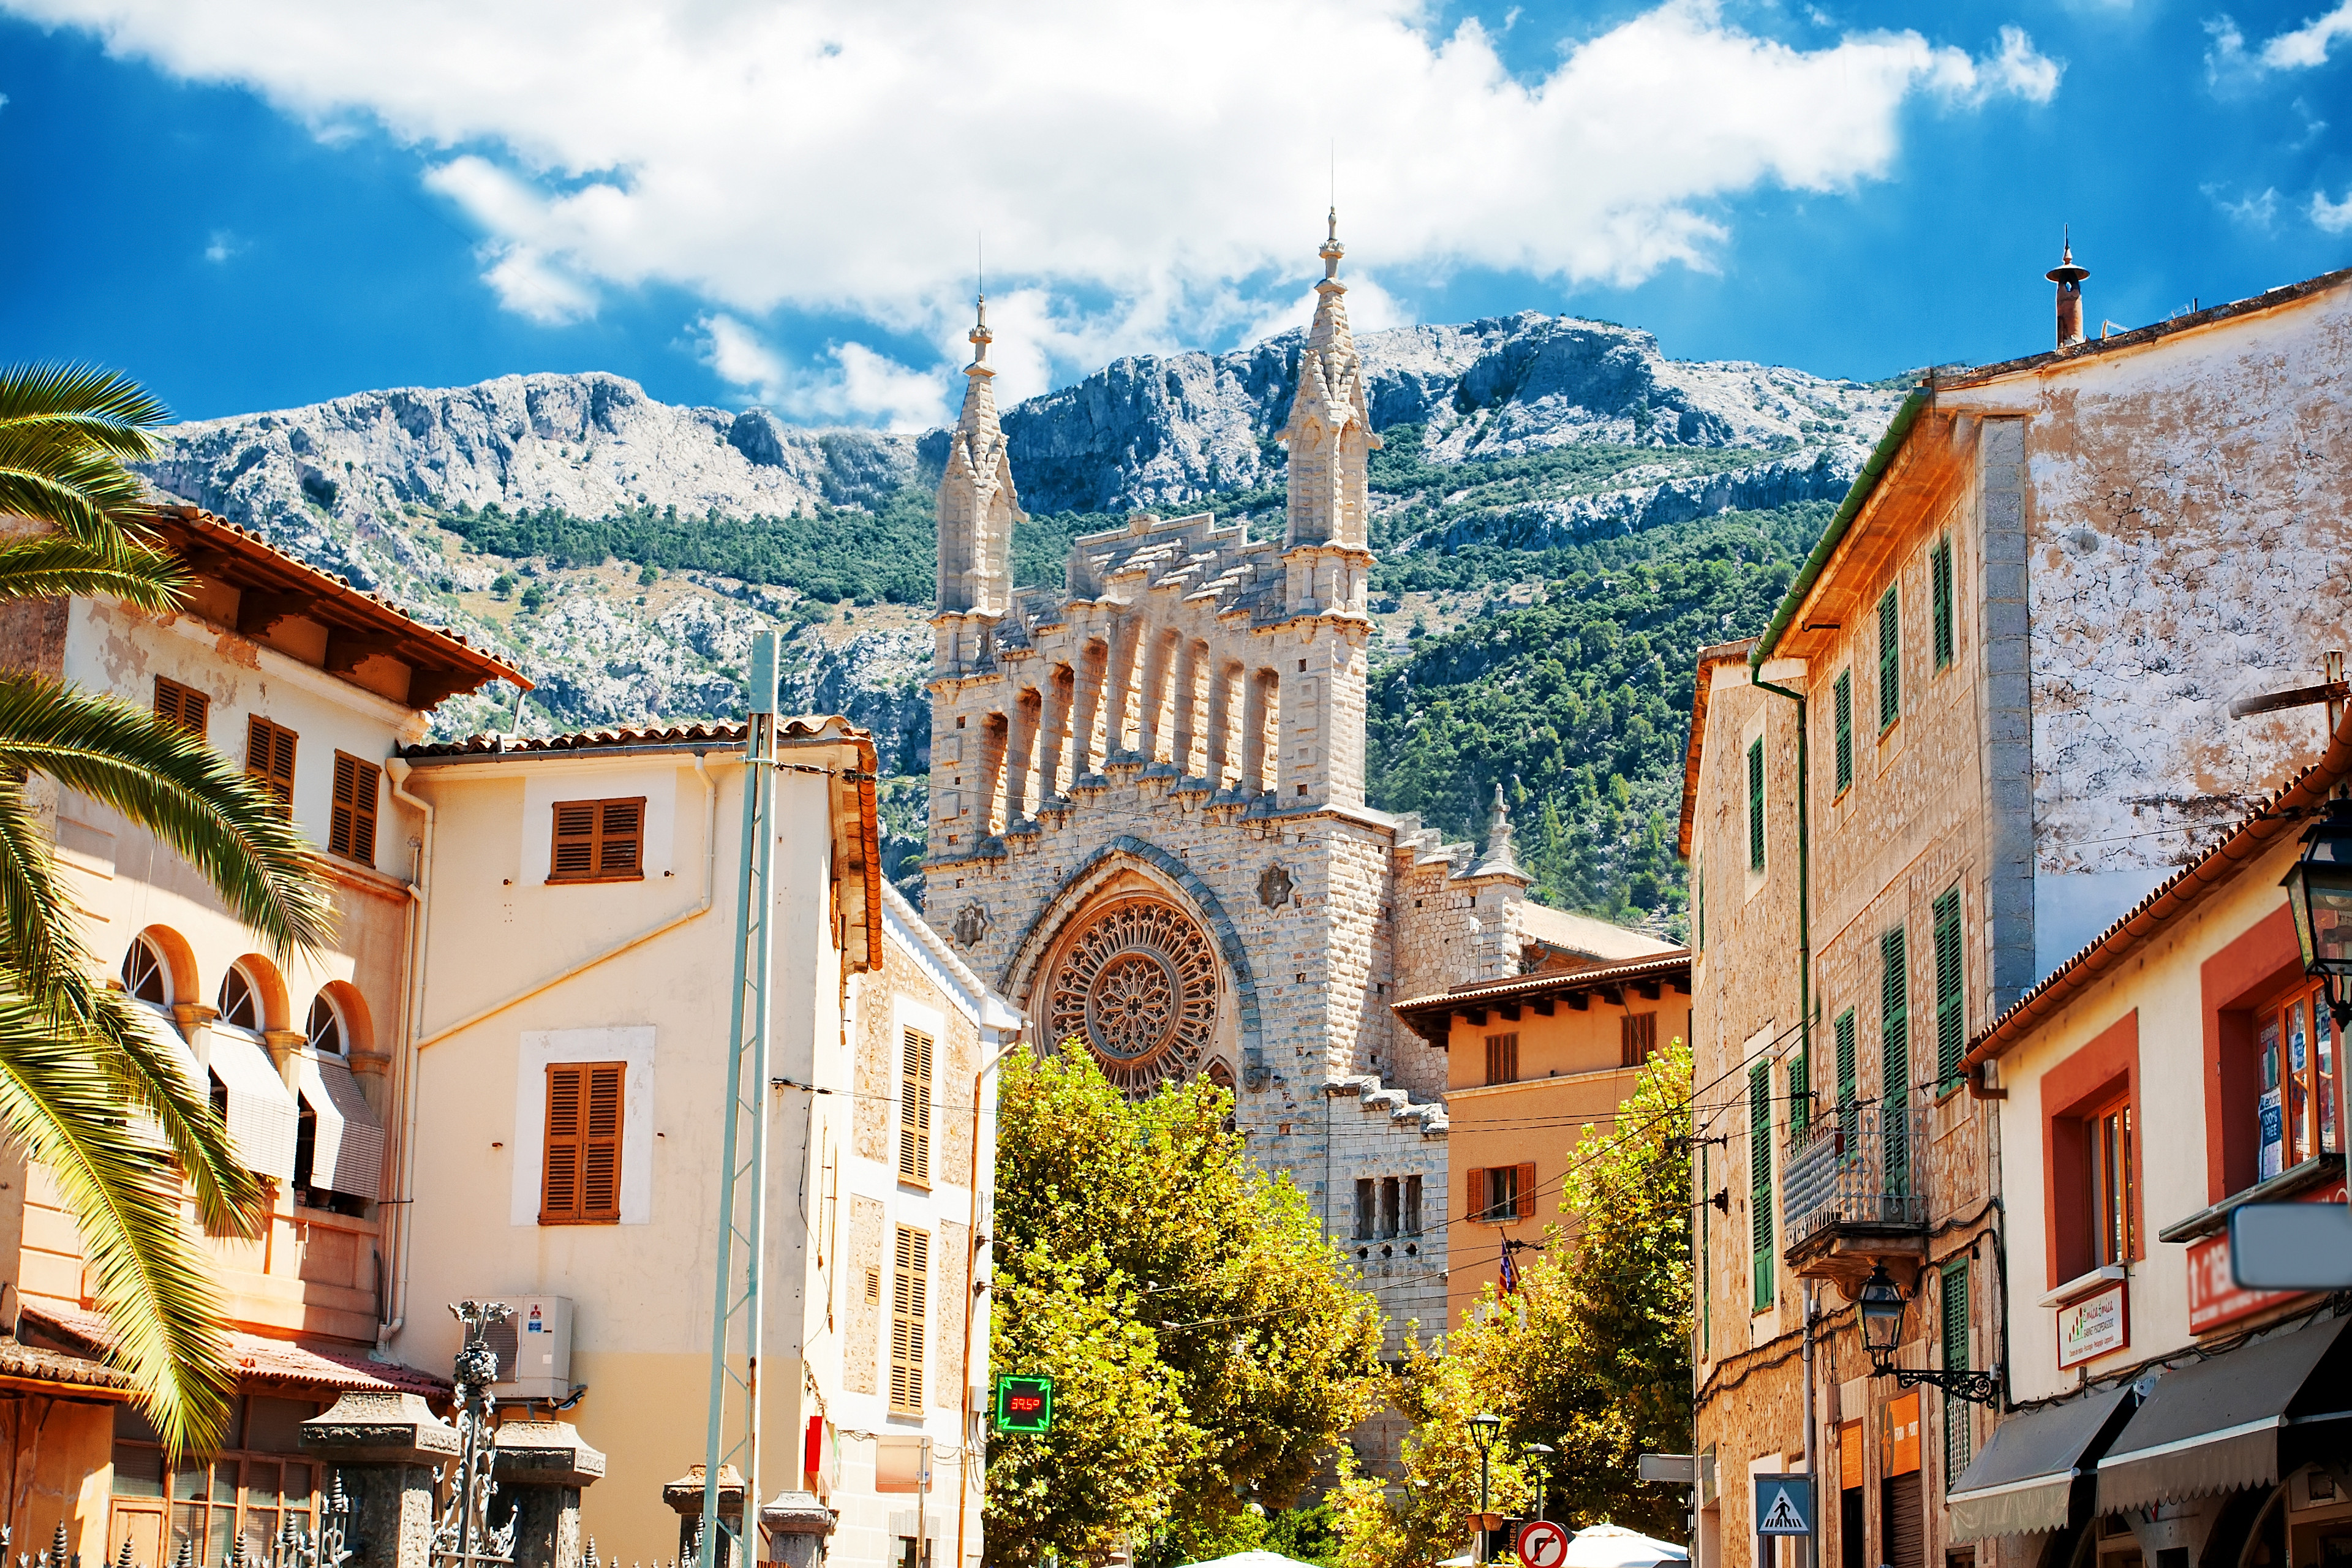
pixel 743 1168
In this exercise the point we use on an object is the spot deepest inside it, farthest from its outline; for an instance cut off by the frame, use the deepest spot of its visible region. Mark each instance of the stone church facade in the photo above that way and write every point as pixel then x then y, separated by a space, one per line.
pixel 1148 829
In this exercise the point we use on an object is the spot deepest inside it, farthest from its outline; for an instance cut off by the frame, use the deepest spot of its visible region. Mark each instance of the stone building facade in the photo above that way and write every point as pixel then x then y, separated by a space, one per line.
pixel 1148 828
pixel 2011 659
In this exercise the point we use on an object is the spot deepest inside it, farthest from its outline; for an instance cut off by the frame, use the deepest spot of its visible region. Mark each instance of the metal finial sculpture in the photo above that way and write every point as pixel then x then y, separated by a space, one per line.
pixel 236 1558
pixel 463 1536
pixel 122 1560
pixel 185 1557
pixel 334 1522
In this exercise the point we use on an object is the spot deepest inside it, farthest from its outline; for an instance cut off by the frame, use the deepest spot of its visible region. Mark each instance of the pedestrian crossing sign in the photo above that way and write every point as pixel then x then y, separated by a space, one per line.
pixel 1784 1505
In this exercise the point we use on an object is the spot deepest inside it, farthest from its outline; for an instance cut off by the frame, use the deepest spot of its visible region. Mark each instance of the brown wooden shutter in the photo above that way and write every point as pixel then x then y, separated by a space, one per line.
pixel 598 840
pixel 1477 1195
pixel 351 827
pixel 575 840
pixel 910 1304
pixel 1637 1039
pixel 581 1172
pixel 915 1109
pixel 620 837
pixel 1527 1193
pixel 269 757
pixel 182 705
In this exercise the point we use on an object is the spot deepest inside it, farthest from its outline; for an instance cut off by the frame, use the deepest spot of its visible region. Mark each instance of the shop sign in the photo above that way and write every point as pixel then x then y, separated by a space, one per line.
pixel 2094 1326
pixel 2214 1296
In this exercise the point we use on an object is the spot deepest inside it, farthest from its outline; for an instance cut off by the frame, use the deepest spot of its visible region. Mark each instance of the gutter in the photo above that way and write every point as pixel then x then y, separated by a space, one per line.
pixel 1865 483
pixel 394 1307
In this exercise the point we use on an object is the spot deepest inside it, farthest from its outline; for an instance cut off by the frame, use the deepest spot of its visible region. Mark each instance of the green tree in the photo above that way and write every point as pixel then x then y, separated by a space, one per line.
pixel 72 1057
pixel 1590 1355
pixel 1207 1346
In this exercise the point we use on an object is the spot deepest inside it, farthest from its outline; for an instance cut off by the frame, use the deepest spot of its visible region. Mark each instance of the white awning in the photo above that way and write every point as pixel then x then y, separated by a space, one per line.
pixel 262 1114
pixel 156 1026
pixel 347 1154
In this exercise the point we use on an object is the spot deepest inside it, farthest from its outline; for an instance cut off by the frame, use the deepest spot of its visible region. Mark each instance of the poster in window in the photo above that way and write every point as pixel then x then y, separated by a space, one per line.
pixel 2274 1134
pixel 2094 1326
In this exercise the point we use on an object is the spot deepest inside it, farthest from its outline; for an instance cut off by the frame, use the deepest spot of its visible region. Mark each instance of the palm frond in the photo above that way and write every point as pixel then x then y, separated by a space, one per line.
pixel 82 403
pixel 169 783
pixel 57 1103
pixel 86 493
pixel 59 564
pixel 43 957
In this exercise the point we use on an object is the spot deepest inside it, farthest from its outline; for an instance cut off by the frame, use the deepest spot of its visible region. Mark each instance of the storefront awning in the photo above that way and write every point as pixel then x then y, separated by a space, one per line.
pixel 2023 1482
pixel 2241 1419
pixel 348 1156
pixel 262 1115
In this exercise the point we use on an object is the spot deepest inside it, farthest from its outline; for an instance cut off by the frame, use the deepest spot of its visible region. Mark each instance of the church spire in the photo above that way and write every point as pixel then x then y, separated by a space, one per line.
pixel 1329 432
pixel 977 504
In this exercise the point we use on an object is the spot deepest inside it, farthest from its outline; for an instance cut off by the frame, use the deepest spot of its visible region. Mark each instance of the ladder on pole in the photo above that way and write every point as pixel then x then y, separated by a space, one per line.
pixel 733 1435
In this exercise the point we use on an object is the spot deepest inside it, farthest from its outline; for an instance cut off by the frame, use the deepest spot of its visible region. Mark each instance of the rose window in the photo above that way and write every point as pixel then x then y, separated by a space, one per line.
pixel 1139 985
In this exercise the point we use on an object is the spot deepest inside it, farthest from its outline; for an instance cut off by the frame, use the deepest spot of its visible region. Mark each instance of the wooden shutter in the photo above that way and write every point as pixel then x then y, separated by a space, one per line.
pixel 1759 1181
pixel 269 757
pixel 1756 804
pixel 1890 661
pixel 1950 1043
pixel 1527 1191
pixel 915 1109
pixel 182 705
pixel 580 1180
pixel 598 840
pixel 1894 1059
pixel 1940 577
pixel 1843 691
pixel 1637 1039
pixel 1477 1195
pixel 1800 1096
pixel 351 827
pixel 1958 1435
pixel 910 1308
pixel 1848 1091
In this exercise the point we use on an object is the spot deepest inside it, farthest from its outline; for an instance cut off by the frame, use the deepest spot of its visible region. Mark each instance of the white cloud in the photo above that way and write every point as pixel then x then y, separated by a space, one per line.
pixel 2334 217
pixel 1148 174
pixel 222 243
pixel 2256 210
pixel 859 385
pixel 2229 60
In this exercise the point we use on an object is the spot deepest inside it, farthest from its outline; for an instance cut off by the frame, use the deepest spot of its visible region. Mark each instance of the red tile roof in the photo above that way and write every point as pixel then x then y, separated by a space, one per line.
pixel 294 1363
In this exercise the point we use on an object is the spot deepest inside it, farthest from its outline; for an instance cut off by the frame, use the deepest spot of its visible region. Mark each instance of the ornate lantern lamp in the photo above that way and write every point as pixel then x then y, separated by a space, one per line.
pixel 1880 1307
pixel 2319 894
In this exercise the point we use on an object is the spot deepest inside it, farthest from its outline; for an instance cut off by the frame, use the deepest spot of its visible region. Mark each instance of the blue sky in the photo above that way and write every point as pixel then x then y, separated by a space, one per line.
pixel 253 203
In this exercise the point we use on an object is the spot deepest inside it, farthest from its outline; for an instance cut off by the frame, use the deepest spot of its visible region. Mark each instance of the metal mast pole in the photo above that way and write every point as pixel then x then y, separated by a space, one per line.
pixel 742 1190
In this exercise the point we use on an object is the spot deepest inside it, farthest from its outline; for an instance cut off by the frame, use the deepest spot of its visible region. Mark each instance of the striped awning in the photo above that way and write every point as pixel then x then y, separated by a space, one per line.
pixel 347 1153
pixel 2243 1419
pixel 2024 1481
pixel 262 1115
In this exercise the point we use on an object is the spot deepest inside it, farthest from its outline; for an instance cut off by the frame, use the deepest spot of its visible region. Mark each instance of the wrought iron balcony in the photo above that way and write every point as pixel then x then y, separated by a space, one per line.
pixel 1858 1171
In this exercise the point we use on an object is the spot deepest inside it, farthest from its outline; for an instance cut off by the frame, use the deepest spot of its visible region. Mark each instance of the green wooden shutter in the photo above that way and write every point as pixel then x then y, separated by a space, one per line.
pixel 1950 1033
pixel 1849 1113
pixel 1844 691
pixel 1956 1435
pixel 1890 662
pixel 1939 576
pixel 1756 804
pixel 1706 1251
pixel 1698 907
pixel 1801 1098
pixel 1760 1178
pixel 1894 1059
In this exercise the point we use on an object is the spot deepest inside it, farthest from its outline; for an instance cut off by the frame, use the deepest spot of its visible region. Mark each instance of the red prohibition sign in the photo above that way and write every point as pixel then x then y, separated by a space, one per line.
pixel 1542 1544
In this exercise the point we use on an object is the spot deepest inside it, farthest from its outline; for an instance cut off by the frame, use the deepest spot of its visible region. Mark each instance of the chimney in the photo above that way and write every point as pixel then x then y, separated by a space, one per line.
pixel 2069 278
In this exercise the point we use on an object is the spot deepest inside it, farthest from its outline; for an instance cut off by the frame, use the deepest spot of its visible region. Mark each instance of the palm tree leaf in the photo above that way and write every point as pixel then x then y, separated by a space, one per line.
pixel 84 491
pixel 44 958
pixel 155 1289
pixel 88 404
pixel 59 565
pixel 169 783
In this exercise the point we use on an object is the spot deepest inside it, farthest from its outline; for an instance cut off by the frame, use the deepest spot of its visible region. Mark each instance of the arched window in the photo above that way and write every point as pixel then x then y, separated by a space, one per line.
pixel 326 1027
pixel 144 976
pixel 240 1000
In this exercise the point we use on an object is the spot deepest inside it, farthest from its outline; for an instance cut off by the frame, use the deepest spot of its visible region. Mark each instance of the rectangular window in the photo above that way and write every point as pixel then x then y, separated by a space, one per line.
pixel 1890 662
pixel 182 705
pixel 1956 1434
pixel 1503 1058
pixel 910 1296
pixel 2109 1181
pixel 269 757
pixel 1951 1034
pixel 1894 1059
pixel 1800 1096
pixel 915 1109
pixel 1364 1201
pixel 1410 1221
pixel 1705 1259
pixel 2295 1036
pixel 1756 804
pixel 1843 694
pixel 1848 1076
pixel 1759 1180
pixel 1637 1036
pixel 351 827
pixel 598 841
pixel 1388 1205
pixel 580 1181
pixel 1502 1193
pixel 1939 600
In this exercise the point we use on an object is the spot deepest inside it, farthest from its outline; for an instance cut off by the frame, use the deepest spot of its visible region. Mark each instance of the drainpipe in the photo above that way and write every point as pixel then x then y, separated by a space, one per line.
pixel 971 1295
pixel 1812 1467
pixel 1804 888
pixel 403 1104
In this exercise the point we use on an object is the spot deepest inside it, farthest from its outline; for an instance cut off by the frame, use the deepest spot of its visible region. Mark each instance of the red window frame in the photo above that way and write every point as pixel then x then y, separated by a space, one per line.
pixel 2101 1077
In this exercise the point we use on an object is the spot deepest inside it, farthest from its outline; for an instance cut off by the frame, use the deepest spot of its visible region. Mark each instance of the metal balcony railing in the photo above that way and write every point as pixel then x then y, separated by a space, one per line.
pixel 1859 1164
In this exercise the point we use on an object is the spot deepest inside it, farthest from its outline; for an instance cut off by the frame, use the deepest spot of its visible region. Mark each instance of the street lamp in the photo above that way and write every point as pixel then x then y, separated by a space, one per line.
pixel 2319 893
pixel 1484 1428
pixel 1881 1306
pixel 1543 1476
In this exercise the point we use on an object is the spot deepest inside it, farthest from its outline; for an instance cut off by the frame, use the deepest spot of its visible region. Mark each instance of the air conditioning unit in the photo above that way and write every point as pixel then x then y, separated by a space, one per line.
pixel 534 1348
